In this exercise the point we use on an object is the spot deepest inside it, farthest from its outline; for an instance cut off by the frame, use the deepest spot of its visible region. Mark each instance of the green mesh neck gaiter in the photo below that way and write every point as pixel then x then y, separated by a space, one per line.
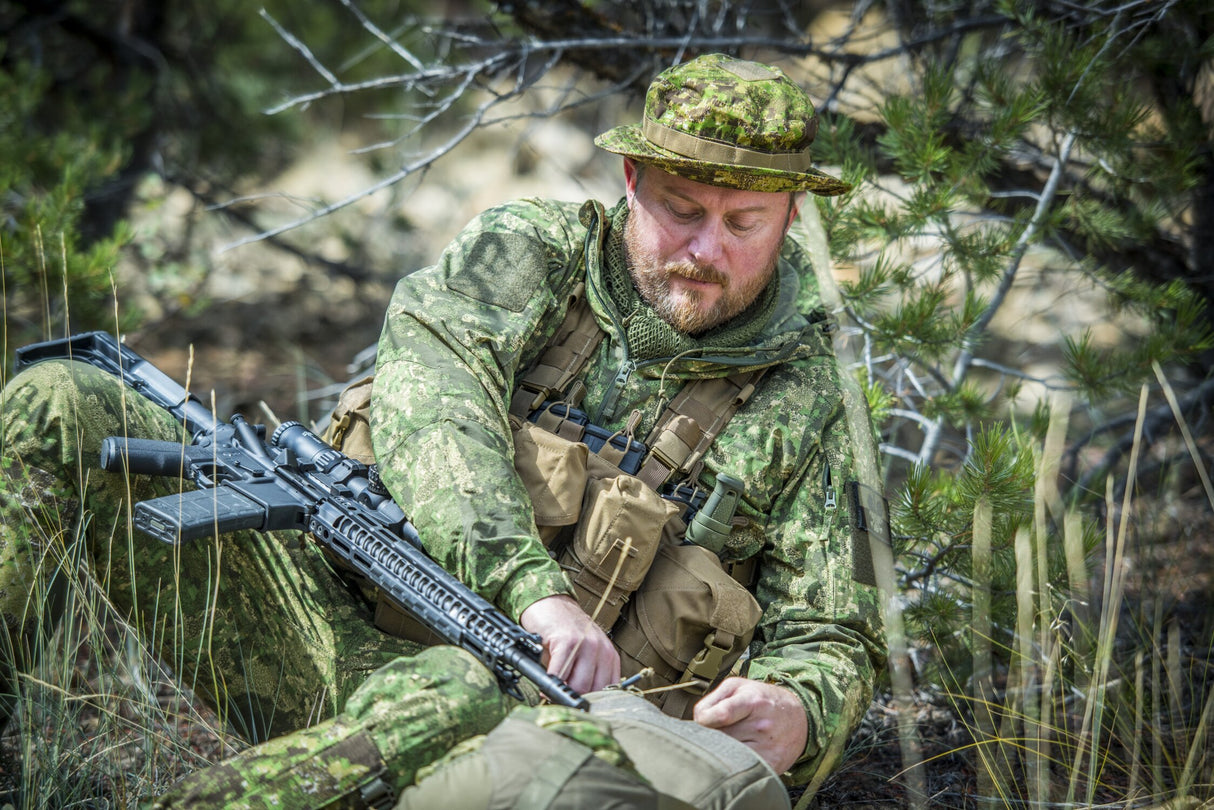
pixel 648 335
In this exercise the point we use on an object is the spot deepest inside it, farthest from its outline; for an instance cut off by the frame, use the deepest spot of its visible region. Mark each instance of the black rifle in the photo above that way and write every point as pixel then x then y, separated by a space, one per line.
pixel 296 481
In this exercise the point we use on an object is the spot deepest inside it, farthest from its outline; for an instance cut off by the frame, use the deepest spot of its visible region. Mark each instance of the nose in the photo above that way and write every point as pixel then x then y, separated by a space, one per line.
pixel 706 245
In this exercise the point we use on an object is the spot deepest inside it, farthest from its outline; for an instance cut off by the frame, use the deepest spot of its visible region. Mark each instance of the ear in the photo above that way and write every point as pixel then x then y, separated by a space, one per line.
pixel 631 175
pixel 794 208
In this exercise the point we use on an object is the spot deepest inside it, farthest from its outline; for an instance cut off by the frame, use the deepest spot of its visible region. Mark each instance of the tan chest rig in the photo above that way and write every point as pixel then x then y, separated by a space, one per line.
pixel 668 603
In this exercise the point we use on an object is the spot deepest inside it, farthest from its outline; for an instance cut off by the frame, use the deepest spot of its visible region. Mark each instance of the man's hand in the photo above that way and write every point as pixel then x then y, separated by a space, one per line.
pixel 576 648
pixel 768 718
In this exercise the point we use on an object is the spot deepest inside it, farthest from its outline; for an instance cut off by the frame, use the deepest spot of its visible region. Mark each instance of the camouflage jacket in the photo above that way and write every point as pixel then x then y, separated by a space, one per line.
pixel 459 333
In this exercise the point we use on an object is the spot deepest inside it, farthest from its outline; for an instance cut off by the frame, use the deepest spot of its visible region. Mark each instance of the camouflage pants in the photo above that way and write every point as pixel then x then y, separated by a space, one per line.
pixel 424 733
pixel 408 714
pixel 256 624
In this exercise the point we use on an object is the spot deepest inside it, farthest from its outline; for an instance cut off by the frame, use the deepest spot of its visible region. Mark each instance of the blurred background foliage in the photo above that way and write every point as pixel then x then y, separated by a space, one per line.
pixel 97 97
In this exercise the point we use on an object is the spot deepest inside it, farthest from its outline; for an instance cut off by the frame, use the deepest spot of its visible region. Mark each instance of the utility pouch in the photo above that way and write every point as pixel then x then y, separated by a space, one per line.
pixel 349 428
pixel 690 621
pixel 620 521
pixel 623 524
pixel 554 471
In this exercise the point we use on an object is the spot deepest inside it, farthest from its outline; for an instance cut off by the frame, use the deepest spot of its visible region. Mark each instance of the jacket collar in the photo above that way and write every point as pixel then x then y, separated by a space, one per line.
pixel 789 334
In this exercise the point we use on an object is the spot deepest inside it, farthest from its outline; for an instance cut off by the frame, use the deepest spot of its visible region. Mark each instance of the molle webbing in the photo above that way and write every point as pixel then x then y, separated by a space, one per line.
pixel 682 435
pixel 571 347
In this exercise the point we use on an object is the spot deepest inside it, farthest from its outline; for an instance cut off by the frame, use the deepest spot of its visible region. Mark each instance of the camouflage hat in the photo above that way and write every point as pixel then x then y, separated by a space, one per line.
pixel 727 122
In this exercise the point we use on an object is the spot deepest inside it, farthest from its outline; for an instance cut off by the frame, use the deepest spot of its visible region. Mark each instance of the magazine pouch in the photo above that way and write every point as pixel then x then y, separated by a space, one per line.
pixel 690 622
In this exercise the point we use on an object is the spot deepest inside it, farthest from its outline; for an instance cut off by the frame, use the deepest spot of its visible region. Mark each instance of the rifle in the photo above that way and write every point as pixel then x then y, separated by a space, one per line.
pixel 296 481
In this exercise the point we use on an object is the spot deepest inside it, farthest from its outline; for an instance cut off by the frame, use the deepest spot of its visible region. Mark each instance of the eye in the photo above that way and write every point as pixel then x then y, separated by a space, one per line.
pixel 682 214
pixel 742 226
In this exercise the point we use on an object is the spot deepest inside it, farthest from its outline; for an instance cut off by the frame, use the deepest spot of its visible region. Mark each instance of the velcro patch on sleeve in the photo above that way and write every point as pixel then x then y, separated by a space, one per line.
pixel 500 269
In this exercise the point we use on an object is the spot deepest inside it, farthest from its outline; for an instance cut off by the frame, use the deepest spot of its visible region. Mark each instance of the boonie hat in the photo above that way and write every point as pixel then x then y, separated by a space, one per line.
pixel 727 122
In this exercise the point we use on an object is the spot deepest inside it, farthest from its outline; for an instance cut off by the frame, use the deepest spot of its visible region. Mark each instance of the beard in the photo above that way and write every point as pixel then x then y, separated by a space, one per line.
pixel 685 310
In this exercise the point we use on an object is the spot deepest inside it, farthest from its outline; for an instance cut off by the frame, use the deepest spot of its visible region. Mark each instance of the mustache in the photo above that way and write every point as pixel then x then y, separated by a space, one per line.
pixel 697 272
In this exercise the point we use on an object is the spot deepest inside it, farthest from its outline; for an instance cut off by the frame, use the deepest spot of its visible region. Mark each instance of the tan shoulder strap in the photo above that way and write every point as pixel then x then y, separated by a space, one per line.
pixel 574 342
pixel 692 421
pixel 687 427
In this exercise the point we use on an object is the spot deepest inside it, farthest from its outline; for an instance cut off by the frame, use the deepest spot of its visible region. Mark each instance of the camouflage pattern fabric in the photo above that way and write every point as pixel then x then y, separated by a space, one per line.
pixel 459 333
pixel 261 627
pixel 727 122
pixel 258 625
pixel 408 714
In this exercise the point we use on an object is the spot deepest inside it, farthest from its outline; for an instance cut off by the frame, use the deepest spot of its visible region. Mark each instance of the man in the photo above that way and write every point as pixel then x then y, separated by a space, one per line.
pixel 688 284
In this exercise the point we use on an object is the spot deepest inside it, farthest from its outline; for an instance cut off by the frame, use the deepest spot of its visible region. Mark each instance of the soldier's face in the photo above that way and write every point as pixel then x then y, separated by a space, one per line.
pixel 700 254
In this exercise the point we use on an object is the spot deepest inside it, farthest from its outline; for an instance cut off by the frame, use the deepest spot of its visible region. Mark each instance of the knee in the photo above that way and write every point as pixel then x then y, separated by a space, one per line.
pixel 33 396
pixel 417 708
pixel 58 411
pixel 442 674
pixel 43 410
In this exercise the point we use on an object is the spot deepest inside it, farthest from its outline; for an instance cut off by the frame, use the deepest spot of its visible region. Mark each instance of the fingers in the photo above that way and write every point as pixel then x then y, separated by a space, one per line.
pixel 588 664
pixel 721 708
pixel 768 718
pixel 577 649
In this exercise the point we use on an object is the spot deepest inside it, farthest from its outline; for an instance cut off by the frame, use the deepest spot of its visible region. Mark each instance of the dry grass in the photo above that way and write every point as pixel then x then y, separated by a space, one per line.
pixel 1105 697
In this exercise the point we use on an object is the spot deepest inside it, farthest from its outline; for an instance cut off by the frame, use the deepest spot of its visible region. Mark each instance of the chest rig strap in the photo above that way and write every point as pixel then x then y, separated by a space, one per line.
pixel 690 424
pixel 563 360
pixel 684 431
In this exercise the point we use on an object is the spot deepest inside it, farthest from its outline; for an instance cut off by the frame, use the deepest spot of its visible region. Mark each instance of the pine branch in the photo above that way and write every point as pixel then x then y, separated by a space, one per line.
pixel 978 329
